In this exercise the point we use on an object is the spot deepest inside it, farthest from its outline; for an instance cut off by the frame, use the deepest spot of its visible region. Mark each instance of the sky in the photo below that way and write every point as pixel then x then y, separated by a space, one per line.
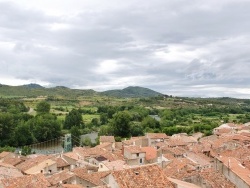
pixel 194 48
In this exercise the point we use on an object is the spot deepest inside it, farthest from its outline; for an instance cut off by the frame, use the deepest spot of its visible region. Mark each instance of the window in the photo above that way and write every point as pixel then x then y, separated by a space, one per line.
pixel 141 161
pixel 137 155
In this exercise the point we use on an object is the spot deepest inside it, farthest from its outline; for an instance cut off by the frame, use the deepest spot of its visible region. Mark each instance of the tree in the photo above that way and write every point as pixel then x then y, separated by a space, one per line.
pixel 74 118
pixel 23 135
pixel 7 127
pixel 137 130
pixel 150 122
pixel 43 107
pixel 103 118
pixel 121 124
pixel 26 150
pixel 87 141
pixel 45 127
pixel 75 135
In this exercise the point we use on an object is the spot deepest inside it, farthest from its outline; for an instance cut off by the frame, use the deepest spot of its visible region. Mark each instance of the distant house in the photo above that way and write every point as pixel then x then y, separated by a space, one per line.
pixel 225 129
pixel 107 139
pixel 134 155
pixel 233 170
pixel 154 138
pixel 40 164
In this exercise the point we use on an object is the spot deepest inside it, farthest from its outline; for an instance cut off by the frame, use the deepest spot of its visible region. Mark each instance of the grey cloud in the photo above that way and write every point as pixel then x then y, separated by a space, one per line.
pixel 200 44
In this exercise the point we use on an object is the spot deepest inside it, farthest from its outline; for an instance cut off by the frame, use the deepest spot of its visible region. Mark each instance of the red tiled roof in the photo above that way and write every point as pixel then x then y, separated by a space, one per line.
pixel 151 152
pixel 61 176
pixel 61 162
pixel 142 177
pixel 13 161
pixel 156 135
pixel 32 162
pixel 29 181
pixel 236 167
pixel 94 178
pixel 4 154
pixel 134 149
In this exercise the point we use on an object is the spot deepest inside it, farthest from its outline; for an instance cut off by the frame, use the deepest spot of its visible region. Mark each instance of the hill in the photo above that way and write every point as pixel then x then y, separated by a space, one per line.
pixel 34 90
pixel 33 86
pixel 132 91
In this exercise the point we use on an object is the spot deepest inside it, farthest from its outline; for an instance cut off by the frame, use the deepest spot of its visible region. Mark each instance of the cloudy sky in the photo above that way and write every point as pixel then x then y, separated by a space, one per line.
pixel 179 47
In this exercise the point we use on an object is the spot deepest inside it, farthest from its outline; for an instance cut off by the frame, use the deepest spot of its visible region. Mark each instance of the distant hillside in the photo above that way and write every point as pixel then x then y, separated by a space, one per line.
pixel 33 86
pixel 132 91
pixel 34 90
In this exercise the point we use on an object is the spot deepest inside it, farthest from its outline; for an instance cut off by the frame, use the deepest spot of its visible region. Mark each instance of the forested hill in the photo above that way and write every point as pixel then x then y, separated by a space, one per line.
pixel 34 90
pixel 132 91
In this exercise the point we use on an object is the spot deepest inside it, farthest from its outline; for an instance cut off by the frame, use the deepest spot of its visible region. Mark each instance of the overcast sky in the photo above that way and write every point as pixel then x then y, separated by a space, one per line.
pixel 179 47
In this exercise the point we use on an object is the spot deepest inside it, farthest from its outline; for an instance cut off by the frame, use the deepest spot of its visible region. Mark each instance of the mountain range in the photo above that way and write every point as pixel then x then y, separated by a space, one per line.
pixel 33 90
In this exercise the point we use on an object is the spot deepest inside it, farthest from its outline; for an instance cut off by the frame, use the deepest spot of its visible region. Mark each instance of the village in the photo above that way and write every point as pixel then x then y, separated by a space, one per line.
pixel 154 160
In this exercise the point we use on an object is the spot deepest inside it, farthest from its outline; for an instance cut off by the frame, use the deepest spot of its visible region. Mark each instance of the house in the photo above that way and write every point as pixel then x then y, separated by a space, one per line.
pixel 62 164
pixel 134 155
pixel 139 177
pixel 71 158
pixel 107 139
pixel 154 138
pixel 233 170
pixel 63 177
pixel 151 155
pixel 9 171
pixel 113 165
pixel 90 179
pixel 225 129
pixel 182 184
pixel 41 164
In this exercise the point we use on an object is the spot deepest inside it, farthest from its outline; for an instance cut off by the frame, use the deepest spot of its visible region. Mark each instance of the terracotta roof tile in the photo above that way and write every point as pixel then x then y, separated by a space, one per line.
pixel 156 135
pixel 94 178
pixel 4 154
pixel 134 149
pixel 151 152
pixel 59 177
pixel 61 162
pixel 32 162
pixel 9 172
pixel 29 181
pixel 236 167
pixel 115 165
pixel 142 177
pixel 13 161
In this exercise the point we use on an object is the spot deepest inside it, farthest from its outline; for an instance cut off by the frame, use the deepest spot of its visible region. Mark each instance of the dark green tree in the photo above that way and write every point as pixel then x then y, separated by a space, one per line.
pixel 45 127
pixel 121 124
pixel 150 122
pixel 7 127
pixel 73 118
pixel 23 135
pixel 75 135
pixel 43 107
pixel 103 118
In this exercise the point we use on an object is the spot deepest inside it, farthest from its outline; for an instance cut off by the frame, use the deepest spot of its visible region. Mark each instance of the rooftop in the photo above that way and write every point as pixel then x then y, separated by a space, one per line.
pixel 142 177
pixel 107 139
